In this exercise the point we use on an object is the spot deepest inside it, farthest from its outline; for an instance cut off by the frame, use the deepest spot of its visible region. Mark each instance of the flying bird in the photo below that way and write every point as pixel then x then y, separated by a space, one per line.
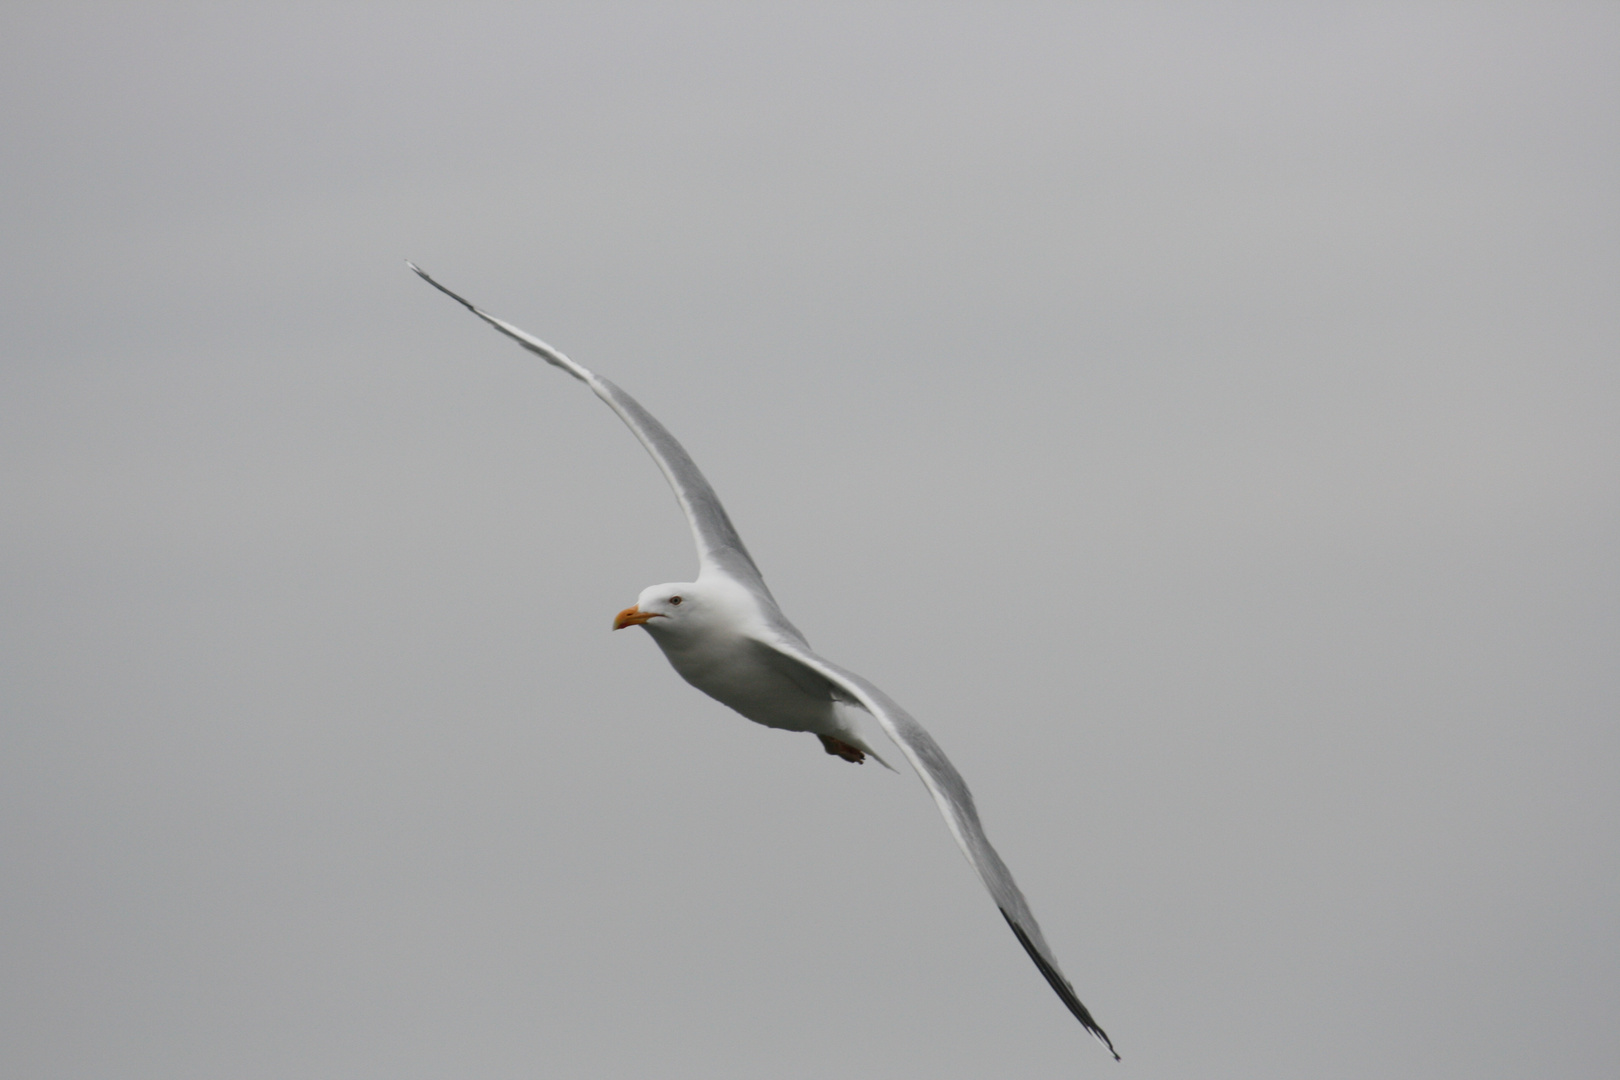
pixel 725 634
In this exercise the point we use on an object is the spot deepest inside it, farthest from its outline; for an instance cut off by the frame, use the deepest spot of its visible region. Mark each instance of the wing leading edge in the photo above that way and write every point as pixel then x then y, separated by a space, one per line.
pixel 718 545
pixel 955 803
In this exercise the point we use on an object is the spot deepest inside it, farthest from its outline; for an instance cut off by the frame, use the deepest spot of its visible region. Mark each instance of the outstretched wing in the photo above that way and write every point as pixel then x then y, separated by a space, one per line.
pixel 955 804
pixel 719 547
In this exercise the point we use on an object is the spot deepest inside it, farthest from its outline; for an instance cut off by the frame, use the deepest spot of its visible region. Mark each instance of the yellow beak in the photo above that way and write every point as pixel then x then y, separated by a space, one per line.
pixel 632 616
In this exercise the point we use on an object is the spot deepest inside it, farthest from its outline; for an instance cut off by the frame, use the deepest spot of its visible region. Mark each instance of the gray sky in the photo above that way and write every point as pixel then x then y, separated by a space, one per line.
pixel 1203 418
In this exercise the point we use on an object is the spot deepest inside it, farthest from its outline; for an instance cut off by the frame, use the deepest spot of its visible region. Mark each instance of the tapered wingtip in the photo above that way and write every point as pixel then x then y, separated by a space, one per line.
pixel 1057 982
pixel 423 274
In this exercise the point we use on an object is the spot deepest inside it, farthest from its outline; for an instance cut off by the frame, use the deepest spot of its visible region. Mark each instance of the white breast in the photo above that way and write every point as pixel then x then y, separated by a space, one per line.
pixel 734 673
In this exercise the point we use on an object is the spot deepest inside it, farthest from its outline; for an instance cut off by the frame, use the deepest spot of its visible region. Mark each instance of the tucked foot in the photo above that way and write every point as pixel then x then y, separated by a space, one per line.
pixel 842 749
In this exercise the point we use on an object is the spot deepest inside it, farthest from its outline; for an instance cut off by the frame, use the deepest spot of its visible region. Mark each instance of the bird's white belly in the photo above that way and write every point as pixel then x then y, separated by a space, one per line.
pixel 736 678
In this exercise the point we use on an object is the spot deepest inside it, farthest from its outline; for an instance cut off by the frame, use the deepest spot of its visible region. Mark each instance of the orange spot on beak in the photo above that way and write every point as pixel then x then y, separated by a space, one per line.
pixel 632 616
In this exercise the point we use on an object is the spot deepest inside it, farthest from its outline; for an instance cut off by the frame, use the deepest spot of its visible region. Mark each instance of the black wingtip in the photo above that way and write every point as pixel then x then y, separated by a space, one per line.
pixel 1055 979
pixel 423 274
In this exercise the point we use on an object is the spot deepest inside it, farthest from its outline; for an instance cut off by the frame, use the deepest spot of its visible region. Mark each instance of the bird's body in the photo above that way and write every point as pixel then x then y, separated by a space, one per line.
pixel 725 634
pixel 713 638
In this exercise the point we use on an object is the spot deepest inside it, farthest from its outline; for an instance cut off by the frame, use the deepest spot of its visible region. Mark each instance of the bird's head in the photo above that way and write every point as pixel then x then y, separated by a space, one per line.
pixel 663 608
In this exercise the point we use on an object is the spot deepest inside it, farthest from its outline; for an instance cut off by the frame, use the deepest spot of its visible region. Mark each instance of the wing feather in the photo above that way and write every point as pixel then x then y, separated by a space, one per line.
pixel 719 547
pixel 956 806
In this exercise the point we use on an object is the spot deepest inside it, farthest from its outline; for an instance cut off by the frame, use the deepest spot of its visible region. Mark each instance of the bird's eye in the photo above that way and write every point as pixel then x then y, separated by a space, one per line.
pixel 675 600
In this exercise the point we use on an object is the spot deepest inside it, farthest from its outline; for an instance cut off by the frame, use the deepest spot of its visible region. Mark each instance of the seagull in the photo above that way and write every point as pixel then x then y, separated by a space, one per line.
pixel 725 634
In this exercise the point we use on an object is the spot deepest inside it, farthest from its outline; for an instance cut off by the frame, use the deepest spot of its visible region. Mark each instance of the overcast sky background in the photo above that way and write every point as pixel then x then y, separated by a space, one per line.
pixel 1206 419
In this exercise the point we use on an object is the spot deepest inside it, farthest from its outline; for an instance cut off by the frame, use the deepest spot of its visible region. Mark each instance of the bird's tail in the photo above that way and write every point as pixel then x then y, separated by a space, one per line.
pixel 856 723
